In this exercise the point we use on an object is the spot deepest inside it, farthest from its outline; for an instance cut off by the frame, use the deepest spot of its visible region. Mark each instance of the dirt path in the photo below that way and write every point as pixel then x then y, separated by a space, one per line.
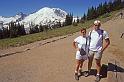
pixel 55 62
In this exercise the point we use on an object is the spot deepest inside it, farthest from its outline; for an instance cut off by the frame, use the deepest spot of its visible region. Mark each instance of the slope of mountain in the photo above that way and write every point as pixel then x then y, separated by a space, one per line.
pixel 45 16
pixel 20 16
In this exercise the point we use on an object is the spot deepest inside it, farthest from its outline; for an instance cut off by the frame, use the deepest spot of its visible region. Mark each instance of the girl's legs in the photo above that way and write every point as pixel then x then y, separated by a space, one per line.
pixel 81 64
pixel 78 63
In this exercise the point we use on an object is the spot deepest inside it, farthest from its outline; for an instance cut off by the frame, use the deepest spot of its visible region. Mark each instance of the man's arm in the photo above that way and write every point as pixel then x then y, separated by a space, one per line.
pixel 107 43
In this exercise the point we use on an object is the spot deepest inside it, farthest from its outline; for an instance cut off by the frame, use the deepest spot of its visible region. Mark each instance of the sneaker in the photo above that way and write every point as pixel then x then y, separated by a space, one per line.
pixel 80 72
pixel 76 76
pixel 97 78
pixel 86 73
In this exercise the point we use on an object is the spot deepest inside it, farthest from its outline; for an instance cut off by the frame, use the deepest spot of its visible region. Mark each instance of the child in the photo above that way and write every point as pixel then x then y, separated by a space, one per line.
pixel 80 44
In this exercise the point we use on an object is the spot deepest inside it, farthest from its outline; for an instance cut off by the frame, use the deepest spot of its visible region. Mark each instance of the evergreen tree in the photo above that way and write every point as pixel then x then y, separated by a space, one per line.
pixel 91 13
pixel 78 19
pixel 23 30
pixel 13 29
pixel 59 24
pixel 69 19
pixel 5 32
pixel 99 9
pixel 45 27
pixel 84 17
pixel 1 34
pixel 105 8
pixel 110 7
pixel 117 4
pixel 34 29
pixel 75 23
pixel 41 28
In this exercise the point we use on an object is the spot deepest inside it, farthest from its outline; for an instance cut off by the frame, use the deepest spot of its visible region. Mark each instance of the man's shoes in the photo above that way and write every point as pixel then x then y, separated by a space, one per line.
pixel 86 73
pixel 76 76
pixel 97 78
pixel 80 72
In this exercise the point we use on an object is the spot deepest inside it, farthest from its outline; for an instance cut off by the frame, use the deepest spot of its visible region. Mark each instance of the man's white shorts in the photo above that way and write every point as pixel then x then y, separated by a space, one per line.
pixel 80 57
pixel 95 54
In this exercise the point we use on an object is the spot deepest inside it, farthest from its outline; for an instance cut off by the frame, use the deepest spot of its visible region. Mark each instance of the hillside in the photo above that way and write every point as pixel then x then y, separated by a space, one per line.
pixel 23 40
pixel 53 60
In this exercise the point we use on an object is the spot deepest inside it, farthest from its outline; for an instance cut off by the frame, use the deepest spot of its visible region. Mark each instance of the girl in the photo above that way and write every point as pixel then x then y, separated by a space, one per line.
pixel 80 44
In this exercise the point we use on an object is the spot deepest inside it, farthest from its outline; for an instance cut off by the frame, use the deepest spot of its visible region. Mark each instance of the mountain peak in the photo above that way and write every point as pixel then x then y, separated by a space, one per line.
pixel 45 16
pixel 21 13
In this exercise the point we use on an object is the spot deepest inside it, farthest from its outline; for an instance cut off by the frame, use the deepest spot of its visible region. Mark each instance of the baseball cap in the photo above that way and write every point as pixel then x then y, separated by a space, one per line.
pixel 97 22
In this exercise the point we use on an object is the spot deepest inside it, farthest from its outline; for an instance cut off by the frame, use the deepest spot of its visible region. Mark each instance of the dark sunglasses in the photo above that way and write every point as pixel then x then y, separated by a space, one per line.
pixel 96 25
pixel 83 32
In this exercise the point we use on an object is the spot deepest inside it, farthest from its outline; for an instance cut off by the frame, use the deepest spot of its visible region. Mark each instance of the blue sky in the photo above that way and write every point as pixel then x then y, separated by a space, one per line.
pixel 78 7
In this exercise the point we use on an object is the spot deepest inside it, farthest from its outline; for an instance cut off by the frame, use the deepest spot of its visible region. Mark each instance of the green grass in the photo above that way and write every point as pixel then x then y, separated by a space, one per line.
pixel 23 40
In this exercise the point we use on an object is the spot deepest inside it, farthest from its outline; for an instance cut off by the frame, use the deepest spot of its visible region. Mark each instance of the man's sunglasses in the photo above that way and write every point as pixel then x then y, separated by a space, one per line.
pixel 96 25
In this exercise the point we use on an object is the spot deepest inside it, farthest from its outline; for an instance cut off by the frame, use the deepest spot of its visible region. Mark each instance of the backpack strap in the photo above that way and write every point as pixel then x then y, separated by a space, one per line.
pixel 86 44
pixel 89 39
pixel 102 36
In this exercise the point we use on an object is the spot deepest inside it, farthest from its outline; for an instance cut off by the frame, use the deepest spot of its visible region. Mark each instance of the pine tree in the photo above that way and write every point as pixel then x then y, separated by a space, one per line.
pixel 13 30
pixel 69 19
pixel 110 7
pixel 45 27
pixel 91 13
pixel 1 34
pixel 41 28
pixel 23 30
pixel 5 32
pixel 75 23
pixel 105 8
pixel 78 19
pixel 84 17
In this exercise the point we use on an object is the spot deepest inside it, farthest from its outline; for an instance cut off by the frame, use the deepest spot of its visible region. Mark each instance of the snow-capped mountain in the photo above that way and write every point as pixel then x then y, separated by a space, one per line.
pixel 20 16
pixel 45 16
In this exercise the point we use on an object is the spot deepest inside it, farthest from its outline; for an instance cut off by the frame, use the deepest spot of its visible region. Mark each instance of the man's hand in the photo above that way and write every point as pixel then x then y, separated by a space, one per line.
pixel 107 43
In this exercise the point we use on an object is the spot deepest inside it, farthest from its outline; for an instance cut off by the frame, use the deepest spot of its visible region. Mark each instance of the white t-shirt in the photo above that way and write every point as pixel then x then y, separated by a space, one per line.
pixel 96 39
pixel 81 41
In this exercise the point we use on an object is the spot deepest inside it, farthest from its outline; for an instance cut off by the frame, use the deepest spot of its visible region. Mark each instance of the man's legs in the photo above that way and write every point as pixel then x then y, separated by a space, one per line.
pixel 90 60
pixel 98 66
pixel 98 56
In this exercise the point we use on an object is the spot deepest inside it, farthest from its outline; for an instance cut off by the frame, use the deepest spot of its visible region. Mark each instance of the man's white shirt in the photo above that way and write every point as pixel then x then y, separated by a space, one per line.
pixel 96 38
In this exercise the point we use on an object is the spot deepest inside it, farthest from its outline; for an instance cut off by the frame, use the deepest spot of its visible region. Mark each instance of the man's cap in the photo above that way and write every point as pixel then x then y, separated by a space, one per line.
pixel 97 22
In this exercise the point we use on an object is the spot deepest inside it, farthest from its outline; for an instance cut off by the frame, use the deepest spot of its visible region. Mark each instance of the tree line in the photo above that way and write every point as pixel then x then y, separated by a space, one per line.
pixel 12 30
pixel 16 29
pixel 103 8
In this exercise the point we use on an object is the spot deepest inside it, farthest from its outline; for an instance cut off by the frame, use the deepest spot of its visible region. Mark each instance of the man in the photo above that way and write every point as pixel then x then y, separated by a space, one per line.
pixel 96 48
